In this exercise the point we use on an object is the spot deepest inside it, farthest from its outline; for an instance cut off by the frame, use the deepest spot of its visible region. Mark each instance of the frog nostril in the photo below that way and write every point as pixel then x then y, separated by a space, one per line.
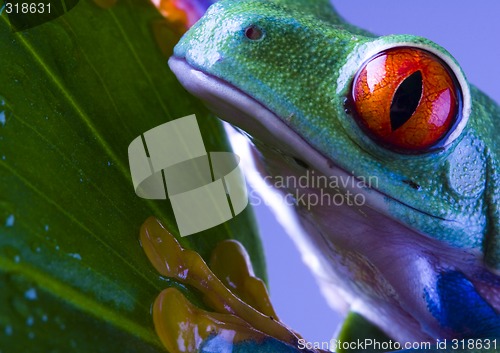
pixel 253 32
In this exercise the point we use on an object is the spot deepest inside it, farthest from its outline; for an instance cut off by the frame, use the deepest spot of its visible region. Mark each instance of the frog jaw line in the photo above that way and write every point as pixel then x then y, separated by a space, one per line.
pixel 232 105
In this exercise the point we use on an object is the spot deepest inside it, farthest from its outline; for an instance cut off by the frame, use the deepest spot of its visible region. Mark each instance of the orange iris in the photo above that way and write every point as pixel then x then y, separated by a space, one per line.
pixel 406 98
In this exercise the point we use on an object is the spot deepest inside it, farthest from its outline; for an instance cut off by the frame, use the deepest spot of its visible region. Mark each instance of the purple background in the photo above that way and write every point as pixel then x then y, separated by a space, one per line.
pixel 470 31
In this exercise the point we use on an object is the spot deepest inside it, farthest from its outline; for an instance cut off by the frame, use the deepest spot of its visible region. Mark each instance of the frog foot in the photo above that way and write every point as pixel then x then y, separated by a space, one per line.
pixel 241 316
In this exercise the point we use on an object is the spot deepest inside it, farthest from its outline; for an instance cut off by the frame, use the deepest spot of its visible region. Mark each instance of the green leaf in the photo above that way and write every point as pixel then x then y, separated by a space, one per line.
pixel 356 328
pixel 74 93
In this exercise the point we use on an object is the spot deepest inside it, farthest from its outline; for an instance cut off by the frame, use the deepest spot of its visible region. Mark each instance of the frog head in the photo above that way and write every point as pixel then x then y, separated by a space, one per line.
pixel 394 112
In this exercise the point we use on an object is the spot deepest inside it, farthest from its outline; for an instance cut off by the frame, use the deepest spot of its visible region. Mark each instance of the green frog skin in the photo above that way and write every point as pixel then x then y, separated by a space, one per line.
pixel 420 256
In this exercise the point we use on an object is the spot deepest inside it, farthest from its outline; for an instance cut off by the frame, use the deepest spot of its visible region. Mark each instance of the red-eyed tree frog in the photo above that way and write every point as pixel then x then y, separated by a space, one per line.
pixel 389 154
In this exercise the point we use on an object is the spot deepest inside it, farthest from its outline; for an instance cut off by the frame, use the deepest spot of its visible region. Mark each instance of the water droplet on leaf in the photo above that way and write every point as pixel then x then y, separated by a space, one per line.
pixel 5 112
pixel 75 256
pixel 8 330
pixel 30 321
pixel 31 294
pixel 9 222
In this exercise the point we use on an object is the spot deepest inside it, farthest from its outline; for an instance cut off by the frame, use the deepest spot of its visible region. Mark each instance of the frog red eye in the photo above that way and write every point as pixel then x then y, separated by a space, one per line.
pixel 406 98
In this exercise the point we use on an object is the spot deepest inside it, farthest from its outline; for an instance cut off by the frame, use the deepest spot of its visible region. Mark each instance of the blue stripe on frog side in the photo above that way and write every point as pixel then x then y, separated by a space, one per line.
pixel 456 304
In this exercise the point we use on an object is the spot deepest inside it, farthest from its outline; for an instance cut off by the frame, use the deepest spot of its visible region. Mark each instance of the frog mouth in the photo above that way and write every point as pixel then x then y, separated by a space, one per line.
pixel 241 110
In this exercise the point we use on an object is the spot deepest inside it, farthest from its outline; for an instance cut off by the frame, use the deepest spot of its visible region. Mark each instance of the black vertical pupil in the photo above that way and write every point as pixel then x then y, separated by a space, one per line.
pixel 405 100
pixel 253 32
